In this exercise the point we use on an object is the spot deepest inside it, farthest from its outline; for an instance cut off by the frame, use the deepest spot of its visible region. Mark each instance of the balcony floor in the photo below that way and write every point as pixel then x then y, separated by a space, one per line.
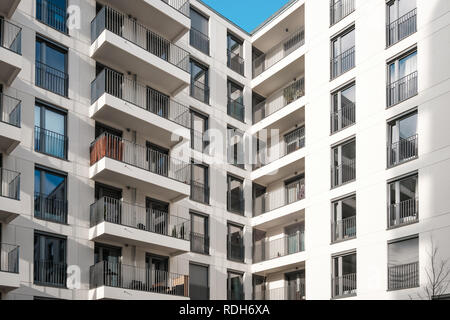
pixel 10 66
pixel 7 7
pixel 9 281
pixel 110 293
pixel 9 209
pixel 10 137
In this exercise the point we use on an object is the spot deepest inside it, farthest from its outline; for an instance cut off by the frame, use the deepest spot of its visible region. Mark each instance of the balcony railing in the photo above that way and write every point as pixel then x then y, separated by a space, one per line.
pixel 236 109
pixel 52 79
pixel 343 229
pixel 403 276
pixel 235 249
pixel 265 250
pixel 344 285
pixel 142 96
pixel 274 200
pixel 401 28
pixel 52 15
pixel 121 213
pixel 131 30
pixel 50 208
pixel 49 273
pixel 340 9
pixel 402 89
pixel 200 91
pixel 280 99
pixel 179 5
pixel 403 213
pixel 116 148
pixel 290 292
pixel 9 258
pixel 10 110
pixel 199 40
pixel 10 181
pixel 11 36
pixel 344 173
pixel 199 192
pixel 199 243
pixel 235 62
pixel 51 143
pixel 279 52
pixel 343 63
pixel 343 118
pixel 117 275
pixel 403 150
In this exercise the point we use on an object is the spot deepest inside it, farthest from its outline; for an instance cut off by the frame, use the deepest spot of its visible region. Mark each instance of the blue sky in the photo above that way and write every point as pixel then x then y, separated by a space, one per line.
pixel 248 14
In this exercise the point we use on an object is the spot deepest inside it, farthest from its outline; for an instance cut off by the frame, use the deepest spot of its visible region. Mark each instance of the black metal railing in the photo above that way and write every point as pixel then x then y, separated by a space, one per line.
pixel 51 143
pixel 199 40
pixel 236 109
pixel 142 96
pixel 265 250
pixel 117 275
pixel 403 276
pixel 343 117
pixel 343 63
pixel 10 181
pixel 340 9
pixel 403 150
pixel 142 157
pixel 9 258
pixel 294 141
pixel 122 213
pixel 52 15
pixel 344 285
pixel 343 229
pixel 179 5
pixel 10 109
pixel 404 212
pixel 235 249
pixel 50 273
pixel 52 79
pixel 11 36
pixel 199 192
pixel 343 173
pixel 199 91
pixel 401 28
pixel 50 208
pixel 402 89
pixel 131 30
pixel 199 243
pixel 289 292
pixel 235 62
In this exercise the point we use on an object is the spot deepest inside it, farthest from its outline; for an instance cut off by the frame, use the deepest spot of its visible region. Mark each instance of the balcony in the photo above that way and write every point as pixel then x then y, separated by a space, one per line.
pixel 49 208
pixel 340 9
pixel 235 62
pixel 10 132
pixel 342 63
pixel 9 267
pixel 10 206
pixel 118 161
pixel 199 192
pixel 343 118
pixel 344 229
pixel 403 276
pixel 401 28
pixel 265 250
pixel 50 143
pixel 403 150
pixel 403 213
pixel 289 292
pixel 118 221
pixel 128 103
pixel 122 42
pixel 50 274
pixel 51 79
pixel 10 51
pixel 344 286
pixel 199 243
pixel 52 15
pixel 343 173
pixel 199 40
pixel 7 7
pixel 123 282
pixel 402 89
pixel 236 109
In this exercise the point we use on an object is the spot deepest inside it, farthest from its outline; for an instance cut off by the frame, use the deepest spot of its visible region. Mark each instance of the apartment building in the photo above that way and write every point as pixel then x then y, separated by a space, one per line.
pixel 173 155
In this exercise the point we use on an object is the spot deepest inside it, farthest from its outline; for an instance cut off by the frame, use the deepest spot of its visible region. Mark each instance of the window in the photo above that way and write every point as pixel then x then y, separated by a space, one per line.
pixel 158 158
pixel 294 238
pixel 199 31
pixel 402 78
pixel 200 183
pixel 235 195
pixel 344 275
pixel 343 108
pixel 50 266
pixel 403 206
pixel 339 9
pixel 53 13
pixel 235 142
pixel 234 54
pixel 401 20
pixel 199 81
pixel 402 139
pixel 198 282
pixel 235 286
pixel 343 225
pixel 294 140
pixel 295 189
pixel 236 107
pixel 343 168
pixel 343 53
pixel 50 195
pixel 199 233
pixel 295 285
pixel 107 260
pixel 403 264
pixel 236 248
pixel 157 217
pixel 199 128
pixel 50 132
pixel 51 67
